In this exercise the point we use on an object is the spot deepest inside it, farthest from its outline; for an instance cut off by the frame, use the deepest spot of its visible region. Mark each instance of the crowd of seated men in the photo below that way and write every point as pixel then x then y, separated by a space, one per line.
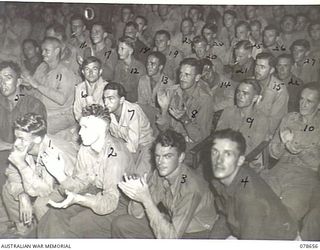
pixel 159 121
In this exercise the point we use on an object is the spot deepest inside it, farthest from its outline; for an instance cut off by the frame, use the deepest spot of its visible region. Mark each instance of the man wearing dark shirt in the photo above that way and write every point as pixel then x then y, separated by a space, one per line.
pixel 13 104
pixel 248 208
pixel 183 193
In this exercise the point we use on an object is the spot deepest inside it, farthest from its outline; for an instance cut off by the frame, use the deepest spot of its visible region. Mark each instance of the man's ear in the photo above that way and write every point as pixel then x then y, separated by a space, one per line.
pixel 37 140
pixel 255 98
pixel 144 27
pixel 241 160
pixel 160 67
pixel 105 35
pixel 122 99
pixel 198 77
pixel 169 42
pixel 19 82
pixel 272 70
pixel 181 157
pixel 57 51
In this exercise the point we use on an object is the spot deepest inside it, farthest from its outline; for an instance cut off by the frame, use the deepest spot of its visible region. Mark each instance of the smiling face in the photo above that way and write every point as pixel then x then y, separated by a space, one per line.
pixel 92 72
pixel 167 159
pixel 49 52
pixel 97 34
pixel 162 42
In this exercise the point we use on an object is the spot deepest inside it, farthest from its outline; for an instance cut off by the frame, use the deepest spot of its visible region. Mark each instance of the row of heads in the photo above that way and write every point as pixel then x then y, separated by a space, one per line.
pixel 36 125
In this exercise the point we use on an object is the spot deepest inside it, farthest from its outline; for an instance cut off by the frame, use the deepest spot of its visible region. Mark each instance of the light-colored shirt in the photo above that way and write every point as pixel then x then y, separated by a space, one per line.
pixel 306 137
pixel 56 89
pixel 198 110
pixel 87 95
pixel 35 180
pixel 133 127
pixel 102 170
pixel 274 101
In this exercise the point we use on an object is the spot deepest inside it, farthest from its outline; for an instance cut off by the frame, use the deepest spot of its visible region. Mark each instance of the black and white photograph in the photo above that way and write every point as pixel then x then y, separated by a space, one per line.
pixel 159 121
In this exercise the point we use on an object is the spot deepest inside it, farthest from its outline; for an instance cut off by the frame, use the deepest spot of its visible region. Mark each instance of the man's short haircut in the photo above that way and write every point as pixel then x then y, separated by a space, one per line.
pixel 232 135
pixel 205 62
pixel 132 24
pixel 161 57
pixel 210 26
pixel 145 20
pixel 171 138
pixel 242 23
pixel 12 65
pixel 267 56
pixel 55 41
pixel 271 27
pixel 32 123
pixel 99 23
pixel 98 111
pixel 32 41
pixel 193 62
pixel 313 24
pixel 300 42
pixel 90 59
pixel 285 17
pixel 198 39
pixel 312 86
pixel 59 29
pixel 77 17
pixel 163 32
pixel 231 13
pixel 116 86
pixel 303 15
pixel 254 83
pixel 255 23
pixel 286 56
pixel 244 44
pixel 127 40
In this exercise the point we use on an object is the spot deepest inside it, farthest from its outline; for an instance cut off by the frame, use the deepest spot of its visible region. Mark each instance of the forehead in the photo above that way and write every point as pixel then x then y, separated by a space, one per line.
pixel 270 32
pixel 284 60
pixel 8 71
pixel 289 19
pixel 264 62
pixel 186 68
pixel 123 45
pixel 299 47
pixel 186 23
pixel 110 93
pixel 139 20
pixel 242 27
pixel 200 44
pixel 22 134
pixel 245 87
pixel 97 27
pixel 131 28
pixel 47 45
pixel 92 65
pixel 153 59
pixel 91 121
pixel 77 22
pixel 28 44
pixel 163 150
pixel 206 30
pixel 310 94
pixel 242 50
pixel 161 37
pixel 225 145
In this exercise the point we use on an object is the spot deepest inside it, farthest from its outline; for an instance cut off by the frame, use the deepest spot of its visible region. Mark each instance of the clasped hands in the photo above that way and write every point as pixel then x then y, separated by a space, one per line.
pixel 286 137
pixel 136 188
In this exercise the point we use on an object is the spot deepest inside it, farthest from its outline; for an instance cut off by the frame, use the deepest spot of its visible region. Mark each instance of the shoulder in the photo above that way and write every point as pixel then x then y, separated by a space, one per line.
pixel 192 182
